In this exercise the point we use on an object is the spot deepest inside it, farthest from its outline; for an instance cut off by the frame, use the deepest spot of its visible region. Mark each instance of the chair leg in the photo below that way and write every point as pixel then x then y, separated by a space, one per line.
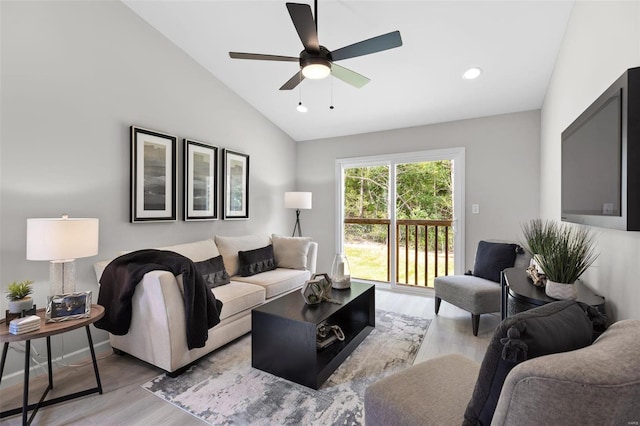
pixel 438 300
pixel 475 323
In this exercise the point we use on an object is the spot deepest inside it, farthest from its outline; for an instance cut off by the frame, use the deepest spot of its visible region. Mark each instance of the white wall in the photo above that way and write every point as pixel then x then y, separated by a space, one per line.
pixel 502 166
pixel 75 76
pixel 602 40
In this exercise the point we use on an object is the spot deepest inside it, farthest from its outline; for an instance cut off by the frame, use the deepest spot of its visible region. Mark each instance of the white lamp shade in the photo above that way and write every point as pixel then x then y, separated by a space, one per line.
pixel 61 238
pixel 297 200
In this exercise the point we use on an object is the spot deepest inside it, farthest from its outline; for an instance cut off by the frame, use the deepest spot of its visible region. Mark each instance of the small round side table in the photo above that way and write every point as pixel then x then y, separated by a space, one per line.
pixel 47 330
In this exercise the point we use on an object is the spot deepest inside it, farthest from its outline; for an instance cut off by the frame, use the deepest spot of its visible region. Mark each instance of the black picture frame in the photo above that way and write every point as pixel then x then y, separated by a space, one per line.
pixel 235 202
pixel 153 176
pixel 200 181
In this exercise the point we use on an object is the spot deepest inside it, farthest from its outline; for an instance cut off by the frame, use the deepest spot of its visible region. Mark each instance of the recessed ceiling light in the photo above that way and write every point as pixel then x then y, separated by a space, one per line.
pixel 472 73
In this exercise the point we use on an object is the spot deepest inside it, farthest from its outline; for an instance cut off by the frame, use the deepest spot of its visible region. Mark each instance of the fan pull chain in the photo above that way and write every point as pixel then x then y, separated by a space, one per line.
pixel 300 107
pixel 331 106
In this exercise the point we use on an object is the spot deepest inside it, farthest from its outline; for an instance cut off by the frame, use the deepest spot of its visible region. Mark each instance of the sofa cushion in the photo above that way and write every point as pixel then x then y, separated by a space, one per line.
pixel 493 258
pixel 255 261
pixel 290 252
pixel 238 296
pixel 196 251
pixel 213 272
pixel 551 328
pixel 278 281
pixel 230 246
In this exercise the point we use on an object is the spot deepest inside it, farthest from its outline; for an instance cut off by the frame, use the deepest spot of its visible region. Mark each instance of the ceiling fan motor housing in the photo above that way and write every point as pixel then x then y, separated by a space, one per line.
pixel 323 57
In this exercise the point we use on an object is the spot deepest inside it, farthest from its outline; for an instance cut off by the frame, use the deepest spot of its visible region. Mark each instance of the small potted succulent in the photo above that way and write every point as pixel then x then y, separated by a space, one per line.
pixel 18 295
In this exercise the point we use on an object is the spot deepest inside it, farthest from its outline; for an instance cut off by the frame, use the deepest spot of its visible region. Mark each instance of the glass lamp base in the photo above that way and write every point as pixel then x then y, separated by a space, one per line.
pixel 62 276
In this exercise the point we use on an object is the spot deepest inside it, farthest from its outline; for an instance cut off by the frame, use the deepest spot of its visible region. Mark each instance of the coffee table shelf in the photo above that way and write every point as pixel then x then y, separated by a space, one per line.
pixel 283 333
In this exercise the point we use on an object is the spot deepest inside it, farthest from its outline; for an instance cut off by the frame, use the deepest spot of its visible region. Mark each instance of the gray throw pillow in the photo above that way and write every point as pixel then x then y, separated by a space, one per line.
pixel 551 328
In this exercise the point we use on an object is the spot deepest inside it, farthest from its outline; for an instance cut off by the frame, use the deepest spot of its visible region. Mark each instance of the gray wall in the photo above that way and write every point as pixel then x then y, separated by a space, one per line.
pixel 602 40
pixel 75 76
pixel 502 166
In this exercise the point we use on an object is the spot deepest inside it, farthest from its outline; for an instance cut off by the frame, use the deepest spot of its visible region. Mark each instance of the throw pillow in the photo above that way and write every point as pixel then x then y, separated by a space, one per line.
pixel 230 246
pixel 196 251
pixel 555 327
pixel 255 261
pixel 493 258
pixel 213 272
pixel 290 252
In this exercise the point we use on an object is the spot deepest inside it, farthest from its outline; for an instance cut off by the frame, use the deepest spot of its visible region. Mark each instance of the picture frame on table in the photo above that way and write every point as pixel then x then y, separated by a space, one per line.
pixel 153 176
pixel 236 185
pixel 200 181
pixel 70 306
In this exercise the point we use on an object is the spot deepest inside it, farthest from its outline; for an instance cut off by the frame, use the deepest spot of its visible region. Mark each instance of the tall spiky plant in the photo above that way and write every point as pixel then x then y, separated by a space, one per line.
pixel 539 233
pixel 568 254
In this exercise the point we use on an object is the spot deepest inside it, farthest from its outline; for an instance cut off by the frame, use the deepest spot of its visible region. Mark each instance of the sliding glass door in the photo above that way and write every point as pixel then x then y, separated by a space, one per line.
pixel 398 216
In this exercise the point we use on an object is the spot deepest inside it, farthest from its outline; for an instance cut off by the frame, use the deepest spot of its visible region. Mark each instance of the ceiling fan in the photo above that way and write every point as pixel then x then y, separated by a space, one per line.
pixel 316 61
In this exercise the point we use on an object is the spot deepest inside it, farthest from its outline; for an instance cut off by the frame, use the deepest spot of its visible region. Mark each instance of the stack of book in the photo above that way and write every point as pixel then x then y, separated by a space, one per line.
pixel 24 325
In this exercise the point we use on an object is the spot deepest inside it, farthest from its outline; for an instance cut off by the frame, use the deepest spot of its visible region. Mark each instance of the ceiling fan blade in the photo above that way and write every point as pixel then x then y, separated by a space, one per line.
pixel 293 81
pixel 305 25
pixel 366 47
pixel 348 76
pixel 261 57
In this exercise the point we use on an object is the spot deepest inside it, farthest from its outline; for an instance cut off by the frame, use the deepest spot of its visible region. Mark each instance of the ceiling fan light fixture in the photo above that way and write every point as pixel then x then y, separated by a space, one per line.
pixel 472 73
pixel 316 68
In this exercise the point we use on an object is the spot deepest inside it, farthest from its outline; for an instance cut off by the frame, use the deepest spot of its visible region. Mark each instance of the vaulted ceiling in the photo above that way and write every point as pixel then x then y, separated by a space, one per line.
pixel 515 43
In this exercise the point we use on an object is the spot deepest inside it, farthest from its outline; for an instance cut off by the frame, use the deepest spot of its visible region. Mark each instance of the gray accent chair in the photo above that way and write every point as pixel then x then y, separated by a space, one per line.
pixel 596 385
pixel 473 294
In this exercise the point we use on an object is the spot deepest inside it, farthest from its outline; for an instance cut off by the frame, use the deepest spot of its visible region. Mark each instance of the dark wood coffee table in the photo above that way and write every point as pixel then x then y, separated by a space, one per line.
pixel 283 333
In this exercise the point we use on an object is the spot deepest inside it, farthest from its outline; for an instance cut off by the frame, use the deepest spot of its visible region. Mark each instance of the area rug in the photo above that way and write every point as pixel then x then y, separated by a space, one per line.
pixel 223 388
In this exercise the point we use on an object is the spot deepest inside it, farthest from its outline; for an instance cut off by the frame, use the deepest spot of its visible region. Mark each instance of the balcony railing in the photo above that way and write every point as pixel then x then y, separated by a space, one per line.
pixel 423 250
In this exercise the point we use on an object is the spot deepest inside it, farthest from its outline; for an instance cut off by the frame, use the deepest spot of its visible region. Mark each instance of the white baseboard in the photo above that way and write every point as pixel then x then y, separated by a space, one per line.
pixel 83 355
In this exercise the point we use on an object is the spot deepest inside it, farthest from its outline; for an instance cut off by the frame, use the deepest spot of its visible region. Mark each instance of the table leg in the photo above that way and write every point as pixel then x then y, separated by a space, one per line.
pixel 93 358
pixel 50 370
pixel 5 349
pixel 503 297
pixel 25 392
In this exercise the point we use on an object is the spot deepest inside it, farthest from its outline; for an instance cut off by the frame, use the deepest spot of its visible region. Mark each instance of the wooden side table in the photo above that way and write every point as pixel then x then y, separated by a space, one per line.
pixel 47 330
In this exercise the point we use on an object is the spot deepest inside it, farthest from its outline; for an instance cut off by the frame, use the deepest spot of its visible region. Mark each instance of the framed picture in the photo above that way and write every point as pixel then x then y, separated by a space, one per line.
pixel 236 185
pixel 200 181
pixel 65 307
pixel 153 176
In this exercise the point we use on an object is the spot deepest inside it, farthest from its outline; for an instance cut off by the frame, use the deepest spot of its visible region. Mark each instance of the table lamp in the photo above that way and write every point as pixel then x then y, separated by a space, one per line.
pixel 61 241
pixel 297 200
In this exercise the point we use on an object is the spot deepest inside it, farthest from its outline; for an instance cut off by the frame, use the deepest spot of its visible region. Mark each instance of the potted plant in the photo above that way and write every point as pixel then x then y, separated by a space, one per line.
pixel 18 295
pixel 539 233
pixel 566 253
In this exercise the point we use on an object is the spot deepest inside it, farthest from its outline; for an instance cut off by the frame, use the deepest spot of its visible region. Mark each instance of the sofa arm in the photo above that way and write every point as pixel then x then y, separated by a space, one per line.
pixel 312 257
pixel 157 333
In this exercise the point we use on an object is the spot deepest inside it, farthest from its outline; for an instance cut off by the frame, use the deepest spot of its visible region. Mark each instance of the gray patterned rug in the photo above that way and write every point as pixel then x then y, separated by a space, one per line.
pixel 223 388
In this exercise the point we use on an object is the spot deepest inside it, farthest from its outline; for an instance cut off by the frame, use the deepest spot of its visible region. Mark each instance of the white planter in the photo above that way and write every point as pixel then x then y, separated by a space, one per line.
pixel 17 306
pixel 560 291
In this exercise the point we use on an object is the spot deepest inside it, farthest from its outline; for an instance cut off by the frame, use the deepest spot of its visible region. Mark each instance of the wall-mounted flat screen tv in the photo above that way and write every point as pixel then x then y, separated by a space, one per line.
pixel 600 159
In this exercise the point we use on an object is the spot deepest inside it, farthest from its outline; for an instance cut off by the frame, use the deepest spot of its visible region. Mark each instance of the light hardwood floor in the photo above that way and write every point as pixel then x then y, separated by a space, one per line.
pixel 124 402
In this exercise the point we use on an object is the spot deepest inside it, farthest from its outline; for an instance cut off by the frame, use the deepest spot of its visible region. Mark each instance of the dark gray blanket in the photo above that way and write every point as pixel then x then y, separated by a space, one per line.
pixel 119 280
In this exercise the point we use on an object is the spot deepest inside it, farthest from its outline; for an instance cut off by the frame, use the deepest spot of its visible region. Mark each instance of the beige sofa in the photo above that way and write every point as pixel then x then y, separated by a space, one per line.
pixel 157 333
